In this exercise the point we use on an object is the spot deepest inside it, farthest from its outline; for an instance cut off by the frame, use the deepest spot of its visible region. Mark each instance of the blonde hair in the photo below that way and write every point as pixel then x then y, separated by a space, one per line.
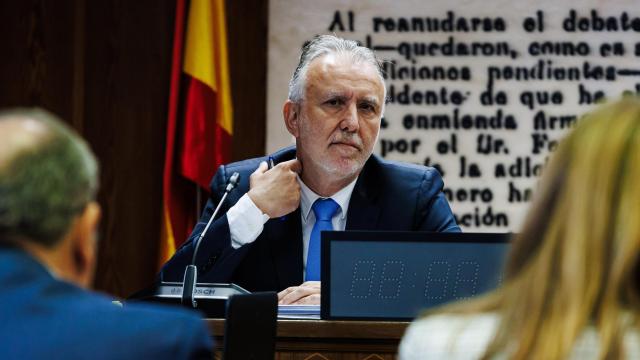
pixel 575 261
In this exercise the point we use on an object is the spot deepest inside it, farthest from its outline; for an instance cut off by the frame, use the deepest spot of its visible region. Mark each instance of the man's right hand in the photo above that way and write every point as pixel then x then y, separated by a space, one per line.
pixel 276 192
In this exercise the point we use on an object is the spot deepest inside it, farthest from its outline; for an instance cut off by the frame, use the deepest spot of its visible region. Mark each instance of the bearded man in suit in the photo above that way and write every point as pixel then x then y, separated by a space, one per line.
pixel 267 236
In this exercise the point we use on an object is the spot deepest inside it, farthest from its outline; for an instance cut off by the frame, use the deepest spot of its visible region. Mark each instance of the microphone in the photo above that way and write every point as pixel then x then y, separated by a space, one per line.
pixel 191 271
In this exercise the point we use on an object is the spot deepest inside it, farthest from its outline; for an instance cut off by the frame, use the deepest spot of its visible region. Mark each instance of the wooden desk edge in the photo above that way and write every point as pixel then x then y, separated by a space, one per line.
pixel 392 330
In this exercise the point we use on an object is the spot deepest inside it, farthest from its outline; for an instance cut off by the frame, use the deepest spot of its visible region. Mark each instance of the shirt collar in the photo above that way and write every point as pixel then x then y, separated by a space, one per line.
pixel 308 197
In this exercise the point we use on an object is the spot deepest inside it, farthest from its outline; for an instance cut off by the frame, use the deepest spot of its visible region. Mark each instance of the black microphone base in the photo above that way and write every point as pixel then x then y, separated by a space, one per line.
pixel 211 299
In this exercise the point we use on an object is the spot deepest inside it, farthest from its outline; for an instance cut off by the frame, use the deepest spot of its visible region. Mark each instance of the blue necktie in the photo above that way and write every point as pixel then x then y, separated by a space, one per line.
pixel 324 209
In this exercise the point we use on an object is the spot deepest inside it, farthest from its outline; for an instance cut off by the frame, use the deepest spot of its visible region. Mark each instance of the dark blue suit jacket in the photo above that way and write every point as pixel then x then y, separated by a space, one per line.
pixel 387 196
pixel 45 318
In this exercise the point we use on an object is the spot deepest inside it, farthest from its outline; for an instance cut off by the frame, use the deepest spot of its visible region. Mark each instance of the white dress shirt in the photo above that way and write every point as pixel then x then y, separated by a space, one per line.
pixel 246 220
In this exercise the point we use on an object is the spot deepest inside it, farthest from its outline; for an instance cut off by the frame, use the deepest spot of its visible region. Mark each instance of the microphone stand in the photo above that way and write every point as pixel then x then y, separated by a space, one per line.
pixel 191 271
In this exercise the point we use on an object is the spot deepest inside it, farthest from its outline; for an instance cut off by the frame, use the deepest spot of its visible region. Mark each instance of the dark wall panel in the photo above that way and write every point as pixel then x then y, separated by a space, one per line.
pixel 127 66
pixel 36 69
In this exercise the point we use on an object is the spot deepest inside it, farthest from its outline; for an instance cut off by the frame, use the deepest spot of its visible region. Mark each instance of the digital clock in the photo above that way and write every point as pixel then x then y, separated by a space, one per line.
pixel 394 275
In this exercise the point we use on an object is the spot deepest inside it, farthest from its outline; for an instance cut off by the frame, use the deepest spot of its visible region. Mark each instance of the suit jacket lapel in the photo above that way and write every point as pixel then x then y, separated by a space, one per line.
pixel 285 237
pixel 364 208
pixel 285 234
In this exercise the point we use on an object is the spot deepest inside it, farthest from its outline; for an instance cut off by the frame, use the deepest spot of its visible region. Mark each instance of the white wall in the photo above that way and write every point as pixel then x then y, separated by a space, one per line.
pixel 597 68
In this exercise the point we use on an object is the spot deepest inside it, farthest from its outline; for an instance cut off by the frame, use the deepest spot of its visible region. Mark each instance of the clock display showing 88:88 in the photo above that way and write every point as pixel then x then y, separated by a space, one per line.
pixel 439 280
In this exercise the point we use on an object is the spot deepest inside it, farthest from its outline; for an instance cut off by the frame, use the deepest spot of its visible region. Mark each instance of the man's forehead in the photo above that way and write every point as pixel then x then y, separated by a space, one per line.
pixel 368 94
pixel 341 74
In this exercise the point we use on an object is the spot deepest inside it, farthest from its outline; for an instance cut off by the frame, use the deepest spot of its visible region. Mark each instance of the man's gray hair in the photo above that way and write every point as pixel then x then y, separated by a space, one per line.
pixel 323 45
pixel 46 184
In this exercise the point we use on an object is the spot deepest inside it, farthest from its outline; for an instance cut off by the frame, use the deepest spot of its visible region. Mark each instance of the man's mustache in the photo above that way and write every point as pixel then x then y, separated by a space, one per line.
pixel 352 139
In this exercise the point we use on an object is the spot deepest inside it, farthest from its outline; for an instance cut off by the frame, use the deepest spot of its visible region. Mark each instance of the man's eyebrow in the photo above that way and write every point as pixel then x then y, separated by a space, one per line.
pixel 370 99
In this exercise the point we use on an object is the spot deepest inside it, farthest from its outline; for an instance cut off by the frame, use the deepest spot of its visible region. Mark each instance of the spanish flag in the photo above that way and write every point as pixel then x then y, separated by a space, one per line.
pixel 200 119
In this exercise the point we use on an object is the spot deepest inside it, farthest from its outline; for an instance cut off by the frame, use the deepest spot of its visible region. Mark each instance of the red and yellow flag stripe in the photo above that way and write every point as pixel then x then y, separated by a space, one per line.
pixel 200 121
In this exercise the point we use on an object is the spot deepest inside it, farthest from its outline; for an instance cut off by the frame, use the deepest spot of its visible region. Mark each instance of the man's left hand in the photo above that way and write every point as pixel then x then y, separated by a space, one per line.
pixel 306 294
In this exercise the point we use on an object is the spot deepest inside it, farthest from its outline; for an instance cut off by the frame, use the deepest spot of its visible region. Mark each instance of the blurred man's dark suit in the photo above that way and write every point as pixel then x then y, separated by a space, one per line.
pixel 42 317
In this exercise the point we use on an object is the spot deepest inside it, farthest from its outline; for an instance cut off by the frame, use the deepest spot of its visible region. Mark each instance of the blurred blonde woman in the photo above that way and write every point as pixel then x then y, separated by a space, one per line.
pixel 572 288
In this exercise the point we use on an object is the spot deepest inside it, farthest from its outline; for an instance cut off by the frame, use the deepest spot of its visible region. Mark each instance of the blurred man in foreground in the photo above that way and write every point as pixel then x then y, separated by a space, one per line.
pixel 48 220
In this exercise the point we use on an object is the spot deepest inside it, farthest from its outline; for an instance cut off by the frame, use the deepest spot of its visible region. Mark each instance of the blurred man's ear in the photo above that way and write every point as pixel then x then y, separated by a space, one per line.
pixel 85 245
pixel 291 115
